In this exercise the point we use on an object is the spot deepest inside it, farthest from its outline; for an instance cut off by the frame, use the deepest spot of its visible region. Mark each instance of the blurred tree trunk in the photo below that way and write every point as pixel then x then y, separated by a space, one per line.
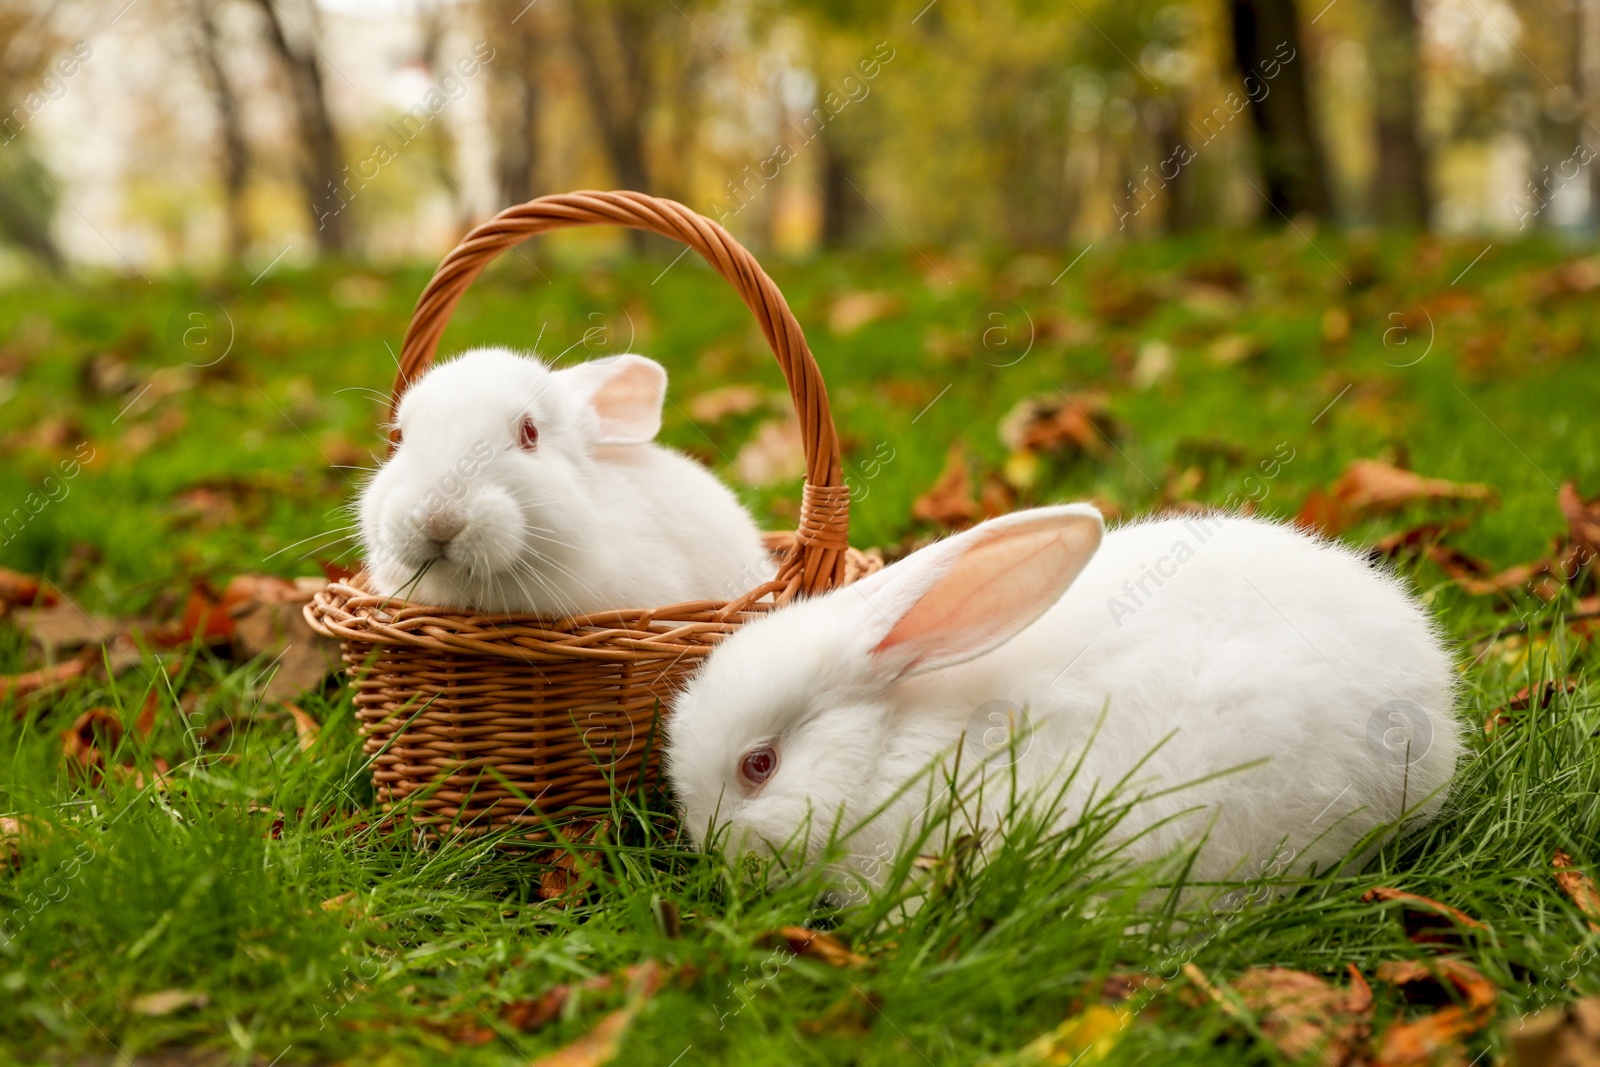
pixel 321 158
pixel 613 41
pixel 515 106
pixel 1270 56
pixel 1177 211
pixel 430 21
pixel 30 35
pixel 24 224
pixel 841 202
pixel 1400 184
pixel 1588 12
pixel 235 149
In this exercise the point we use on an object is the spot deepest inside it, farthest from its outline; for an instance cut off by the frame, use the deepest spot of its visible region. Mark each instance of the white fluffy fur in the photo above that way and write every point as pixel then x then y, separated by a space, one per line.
pixel 1263 643
pixel 578 525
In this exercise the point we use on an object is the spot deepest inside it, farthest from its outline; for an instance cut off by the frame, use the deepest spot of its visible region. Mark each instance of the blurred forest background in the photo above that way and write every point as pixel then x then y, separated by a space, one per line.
pixel 150 134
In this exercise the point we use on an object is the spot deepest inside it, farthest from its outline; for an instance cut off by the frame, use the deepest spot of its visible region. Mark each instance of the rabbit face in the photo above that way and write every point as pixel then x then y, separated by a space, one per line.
pixel 482 503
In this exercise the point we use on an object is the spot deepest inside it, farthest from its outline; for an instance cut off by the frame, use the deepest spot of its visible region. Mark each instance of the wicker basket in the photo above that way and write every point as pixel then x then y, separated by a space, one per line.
pixel 478 722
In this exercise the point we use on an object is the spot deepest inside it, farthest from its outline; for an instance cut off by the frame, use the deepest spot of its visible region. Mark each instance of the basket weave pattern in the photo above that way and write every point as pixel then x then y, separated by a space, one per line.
pixel 485 721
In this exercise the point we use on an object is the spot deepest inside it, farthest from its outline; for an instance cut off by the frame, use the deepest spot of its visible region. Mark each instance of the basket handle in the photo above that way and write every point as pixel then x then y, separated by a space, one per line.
pixel 817 562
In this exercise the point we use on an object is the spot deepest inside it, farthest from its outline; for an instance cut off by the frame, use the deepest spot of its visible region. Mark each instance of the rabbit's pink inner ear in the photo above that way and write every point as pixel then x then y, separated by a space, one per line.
pixel 991 592
pixel 629 400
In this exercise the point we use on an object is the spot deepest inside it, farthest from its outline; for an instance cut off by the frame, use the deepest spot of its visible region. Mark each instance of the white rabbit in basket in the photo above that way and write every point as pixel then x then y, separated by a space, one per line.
pixel 518 488
pixel 1261 688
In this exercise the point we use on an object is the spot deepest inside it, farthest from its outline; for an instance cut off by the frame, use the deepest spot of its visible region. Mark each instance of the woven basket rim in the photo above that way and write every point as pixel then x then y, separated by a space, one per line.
pixel 348 611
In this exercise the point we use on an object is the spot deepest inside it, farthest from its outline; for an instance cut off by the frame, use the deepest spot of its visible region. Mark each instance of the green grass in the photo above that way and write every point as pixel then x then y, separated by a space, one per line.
pixel 216 886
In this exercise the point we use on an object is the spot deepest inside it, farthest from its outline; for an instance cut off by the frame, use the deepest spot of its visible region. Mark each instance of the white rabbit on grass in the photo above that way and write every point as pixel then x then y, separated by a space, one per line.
pixel 1260 687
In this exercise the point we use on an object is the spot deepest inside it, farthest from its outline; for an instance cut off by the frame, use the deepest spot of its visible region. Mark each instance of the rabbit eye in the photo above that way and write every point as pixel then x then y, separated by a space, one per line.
pixel 758 764
pixel 528 435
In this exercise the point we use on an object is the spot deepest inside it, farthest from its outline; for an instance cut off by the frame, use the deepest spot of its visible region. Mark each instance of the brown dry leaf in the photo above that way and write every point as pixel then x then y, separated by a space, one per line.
pixel 777 453
pixel 306 728
pixel 1579 886
pixel 205 620
pixel 812 944
pixel 1557 1037
pixel 168 1001
pixel 1054 423
pixel 64 627
pixel 1525 699
pixel 99 730
pixel 949 502
pixel 1417 540
pixel 851 311
pixel 1583 527
pixel 338 902
pixel 544 1009
pixel 45 678
pixel 20 590
pixel 1428 1039
pixel 719 404
pixel 1300 1012
pixel 600 1044
pixel 1426 921
pixel 1477 577
pixel 1235 348
pixel 268 620
pixel 1373 487
pixel 11 837
pixel 564 881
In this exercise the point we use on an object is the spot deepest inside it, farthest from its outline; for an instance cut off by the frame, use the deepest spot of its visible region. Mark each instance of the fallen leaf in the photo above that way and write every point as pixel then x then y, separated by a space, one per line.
pixel 63 626
pixel 1583 528
pixel 99 730
pixel 544 1009
pixel 1085 1038
pixel 1477 577
pixel 338 902
pixel 268 621
pixel 306 728
pixel 44 679
pixel 168 1001
pixel 777 453
pixel 1524 700
pixel 1426 921
pixel 1055 423
pixel 851 311
pixel 851 1016
pixel 1372 487
pixel 1153 363
pixel 20 590
pixel 1579 886
pixel 719 404
pixel 1557 1037
pixel 600 1044
pixel 335 571
pixel 1235 348
pixel 205 620
pixel 11 838
pixel 949 502
pixel 1423 1041
pixel 1301 1013
pixel 563 881
pixel 812 944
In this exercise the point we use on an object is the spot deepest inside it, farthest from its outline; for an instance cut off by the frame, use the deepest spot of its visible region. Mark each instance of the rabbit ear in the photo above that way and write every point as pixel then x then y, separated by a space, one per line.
pixel 966 596
pixel 626 392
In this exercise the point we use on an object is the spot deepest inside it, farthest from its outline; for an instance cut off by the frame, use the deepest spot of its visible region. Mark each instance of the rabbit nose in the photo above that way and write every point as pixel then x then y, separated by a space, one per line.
pixel 442 527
